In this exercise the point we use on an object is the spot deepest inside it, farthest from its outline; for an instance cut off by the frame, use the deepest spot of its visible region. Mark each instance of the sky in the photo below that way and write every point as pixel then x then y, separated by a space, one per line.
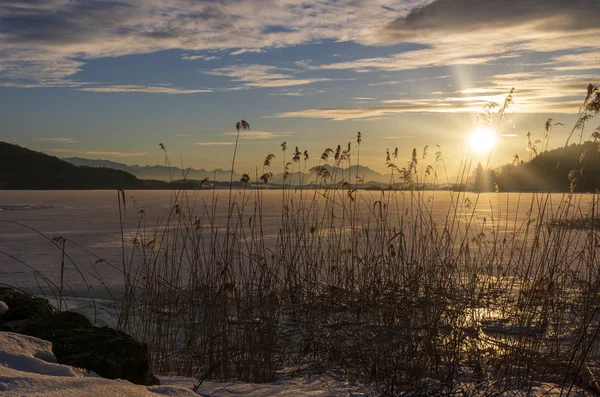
pixel 113 79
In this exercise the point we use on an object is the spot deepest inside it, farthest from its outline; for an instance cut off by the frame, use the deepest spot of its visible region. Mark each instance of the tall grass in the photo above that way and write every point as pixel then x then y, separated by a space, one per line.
pixel 371 285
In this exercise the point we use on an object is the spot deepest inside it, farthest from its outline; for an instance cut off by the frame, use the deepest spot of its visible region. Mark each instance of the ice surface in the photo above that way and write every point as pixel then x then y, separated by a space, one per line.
pixel 90 222
pixel 23 207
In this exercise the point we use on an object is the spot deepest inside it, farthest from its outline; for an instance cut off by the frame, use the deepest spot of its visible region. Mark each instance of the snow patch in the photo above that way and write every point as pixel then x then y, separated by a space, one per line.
pixel 28 368
pixel 27 354
pixel 305 386
pixel 3 308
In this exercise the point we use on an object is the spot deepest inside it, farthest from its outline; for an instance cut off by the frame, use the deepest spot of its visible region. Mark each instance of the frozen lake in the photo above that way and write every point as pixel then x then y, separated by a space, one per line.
pixel 89 220
pixel 497 270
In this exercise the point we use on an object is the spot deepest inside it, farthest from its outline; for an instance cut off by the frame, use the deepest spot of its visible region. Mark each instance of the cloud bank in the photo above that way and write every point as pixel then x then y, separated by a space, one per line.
pixel 45 43
pixel 48 41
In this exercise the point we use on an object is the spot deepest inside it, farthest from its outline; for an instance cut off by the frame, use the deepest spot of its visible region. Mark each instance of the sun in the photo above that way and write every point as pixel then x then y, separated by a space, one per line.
pixel 482 140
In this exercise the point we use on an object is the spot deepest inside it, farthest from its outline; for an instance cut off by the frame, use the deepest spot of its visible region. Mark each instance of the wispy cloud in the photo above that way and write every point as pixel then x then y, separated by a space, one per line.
pixel 213 143
pixel 290 93
pixel 53 40
pixel 183 135
pixel 373 112
pixel 508 32
pixel 531 101
pixel 58 140
pixel 587 60
pixel 396 82
pixel 144 88
pixel 536 92
pixel 114 154
pixel 190 57
pixel 543 90
pixel 97 153
pixel 299 91
pixel 258 134
pixel 44 84
pixel 48 44
pixel 385 83
pixel 392 137
pixel 244 50
pixel 263 76
pixel 60 150
pixel 444 54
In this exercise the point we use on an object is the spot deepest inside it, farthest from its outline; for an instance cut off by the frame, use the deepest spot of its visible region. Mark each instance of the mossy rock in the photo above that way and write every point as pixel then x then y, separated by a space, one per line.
pixel 75 341
pixel 111 354
pixel 22 307
pixel 56 323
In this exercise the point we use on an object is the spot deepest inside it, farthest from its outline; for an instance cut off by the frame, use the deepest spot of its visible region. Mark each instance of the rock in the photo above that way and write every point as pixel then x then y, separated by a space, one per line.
pixel 111 354
pixel 23 307
pixel 76 342
pixel 16 326
pixel 50 326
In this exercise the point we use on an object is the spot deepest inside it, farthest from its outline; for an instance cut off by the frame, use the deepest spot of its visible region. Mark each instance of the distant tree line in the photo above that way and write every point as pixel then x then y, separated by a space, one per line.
pixel 572 168
pixel 21 168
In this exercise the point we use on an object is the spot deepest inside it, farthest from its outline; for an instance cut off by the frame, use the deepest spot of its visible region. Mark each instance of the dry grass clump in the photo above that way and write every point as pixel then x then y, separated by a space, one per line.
pixel 369 285
pixel 379 294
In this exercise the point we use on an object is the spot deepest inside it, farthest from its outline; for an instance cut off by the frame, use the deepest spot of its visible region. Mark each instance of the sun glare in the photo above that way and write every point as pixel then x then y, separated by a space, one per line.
pixel 482 140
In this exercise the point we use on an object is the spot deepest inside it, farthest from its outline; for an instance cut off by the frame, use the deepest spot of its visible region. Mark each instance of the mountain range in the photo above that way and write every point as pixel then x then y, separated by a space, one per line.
pixel 22 168
pixel 574 168
pixel 165 173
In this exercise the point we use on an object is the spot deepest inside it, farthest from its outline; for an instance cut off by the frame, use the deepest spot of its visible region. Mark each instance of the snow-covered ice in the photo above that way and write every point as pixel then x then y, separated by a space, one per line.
pixel 90 222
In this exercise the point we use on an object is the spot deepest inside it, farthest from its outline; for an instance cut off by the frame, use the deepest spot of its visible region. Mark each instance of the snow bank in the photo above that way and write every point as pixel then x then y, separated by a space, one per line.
pixel 315 386
pixel 28 368
pixel 27 354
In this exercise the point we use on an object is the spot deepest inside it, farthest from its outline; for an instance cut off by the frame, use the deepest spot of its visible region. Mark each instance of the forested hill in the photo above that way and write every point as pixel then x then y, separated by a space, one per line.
pixel 21 168
pixel 571 168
